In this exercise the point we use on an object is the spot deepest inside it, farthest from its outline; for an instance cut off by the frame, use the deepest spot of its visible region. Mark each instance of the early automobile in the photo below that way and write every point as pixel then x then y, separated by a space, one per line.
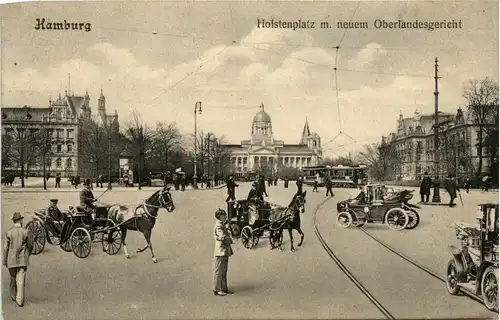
pixel 474 266
pixel 379 204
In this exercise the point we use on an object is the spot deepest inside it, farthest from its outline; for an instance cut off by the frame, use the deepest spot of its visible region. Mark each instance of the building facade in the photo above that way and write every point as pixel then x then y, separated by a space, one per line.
pixel 62 121
pixel 263 151
pixel 412 146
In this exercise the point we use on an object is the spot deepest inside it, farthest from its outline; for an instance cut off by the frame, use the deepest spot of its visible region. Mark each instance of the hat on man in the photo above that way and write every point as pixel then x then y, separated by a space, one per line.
pixel 426 173
pixel 255 184
pixel 54 200
pixel 219 213
pixel 17 216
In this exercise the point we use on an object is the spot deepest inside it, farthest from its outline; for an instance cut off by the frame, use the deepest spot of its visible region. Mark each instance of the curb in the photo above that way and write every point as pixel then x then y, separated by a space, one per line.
pixel 120 189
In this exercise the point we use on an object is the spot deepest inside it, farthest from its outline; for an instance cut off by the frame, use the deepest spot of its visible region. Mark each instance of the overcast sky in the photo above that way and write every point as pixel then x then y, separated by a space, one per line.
pixel 214 53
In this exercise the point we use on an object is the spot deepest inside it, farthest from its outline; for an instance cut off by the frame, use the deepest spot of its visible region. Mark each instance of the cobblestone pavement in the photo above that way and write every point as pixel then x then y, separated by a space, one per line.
pixel 267 284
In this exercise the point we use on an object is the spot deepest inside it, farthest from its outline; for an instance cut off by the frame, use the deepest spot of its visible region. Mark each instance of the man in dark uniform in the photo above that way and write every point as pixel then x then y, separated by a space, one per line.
pixel 467 185
pixel 231 185
pixel 299 183
pixel 361 197
pixel 87 199
pixel 329 187
pixel 57 217
pixel 452 188
pixel 253 194
pixel 425 187
pixel 262 186
pixel 286 182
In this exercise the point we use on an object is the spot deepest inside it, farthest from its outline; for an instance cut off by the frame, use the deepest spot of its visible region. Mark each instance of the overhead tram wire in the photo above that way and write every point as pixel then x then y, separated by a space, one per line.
pixel 335 69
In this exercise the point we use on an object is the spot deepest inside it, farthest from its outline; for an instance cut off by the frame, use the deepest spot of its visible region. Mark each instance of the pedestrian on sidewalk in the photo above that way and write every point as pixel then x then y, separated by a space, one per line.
pixel 17 250
pixel 425 188
pixel 222 252
pixel 58 181
pixel 452 188
pixel 329 187
pixel 467 184
pixel 231 185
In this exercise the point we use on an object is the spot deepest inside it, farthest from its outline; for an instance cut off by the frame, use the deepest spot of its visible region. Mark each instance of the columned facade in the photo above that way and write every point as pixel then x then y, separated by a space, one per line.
pixel 264 153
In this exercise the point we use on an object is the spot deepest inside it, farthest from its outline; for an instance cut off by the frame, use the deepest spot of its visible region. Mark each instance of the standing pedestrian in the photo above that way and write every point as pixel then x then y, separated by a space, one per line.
pixel 17 250
pixel 222 252
pixel 467 184
pixel 286 182
pixel 329 187
pixel 58 181
pixel 231 185
pixel 425 187
pixel 452 188
pixel 262 185
pixel 299 185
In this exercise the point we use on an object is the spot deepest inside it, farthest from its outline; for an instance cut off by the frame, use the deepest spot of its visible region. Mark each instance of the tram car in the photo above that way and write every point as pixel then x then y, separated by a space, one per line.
pixel 379 205
pixel 474 266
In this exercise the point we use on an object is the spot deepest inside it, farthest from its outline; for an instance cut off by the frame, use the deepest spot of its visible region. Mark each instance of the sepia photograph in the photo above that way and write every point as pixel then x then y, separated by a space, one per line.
pixel 249 159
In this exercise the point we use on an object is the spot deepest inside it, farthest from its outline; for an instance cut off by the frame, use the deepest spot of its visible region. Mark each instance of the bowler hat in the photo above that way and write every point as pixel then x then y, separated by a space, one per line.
pixel 54 200
pixel 219 213
pixel 17 216
pixel 426 173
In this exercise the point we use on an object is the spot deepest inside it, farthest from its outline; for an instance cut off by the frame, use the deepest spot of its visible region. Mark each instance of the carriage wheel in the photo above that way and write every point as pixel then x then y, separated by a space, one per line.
pixel 81 242
pixel 37 231
pixel 451 278
pixel 489 288
pixel 112 239
pixel 54 239
pixel 247 237
pixel 344 219
pixel 397 219
pixel 256 238
pixel 275 239
pixel 413 219
pixel 235 229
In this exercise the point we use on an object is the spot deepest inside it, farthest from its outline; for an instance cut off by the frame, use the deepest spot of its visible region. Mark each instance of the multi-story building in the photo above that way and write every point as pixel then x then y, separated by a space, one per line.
pixel 62 119
pixel 263 150
pixel 412 146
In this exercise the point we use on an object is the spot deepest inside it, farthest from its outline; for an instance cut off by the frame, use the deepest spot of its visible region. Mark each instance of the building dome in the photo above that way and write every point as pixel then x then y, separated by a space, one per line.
pixel 261 116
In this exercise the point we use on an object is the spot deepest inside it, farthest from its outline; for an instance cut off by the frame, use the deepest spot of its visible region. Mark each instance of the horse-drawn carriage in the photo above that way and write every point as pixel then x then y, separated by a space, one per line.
pixel 379 205
pixel 251 220
pixel 76 233
pixel 474 266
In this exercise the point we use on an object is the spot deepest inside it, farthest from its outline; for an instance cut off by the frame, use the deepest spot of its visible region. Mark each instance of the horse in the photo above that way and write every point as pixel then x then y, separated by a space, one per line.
pixel 294 209
pixel 142 219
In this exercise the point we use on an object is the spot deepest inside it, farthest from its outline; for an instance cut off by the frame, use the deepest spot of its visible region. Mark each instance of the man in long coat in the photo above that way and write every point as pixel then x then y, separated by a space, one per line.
pixel 425 187
pixel 299 183
pixel 231 185
pixel 452 188
pixel 87 199
pixel 262 186
pixel 18 246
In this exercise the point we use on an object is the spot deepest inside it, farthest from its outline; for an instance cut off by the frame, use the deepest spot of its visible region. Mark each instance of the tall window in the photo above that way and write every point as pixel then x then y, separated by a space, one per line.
pixel 58 162
pixel 69 163
pixel 70 133
pixel 59 148
pixel 70 148
pixel 60 133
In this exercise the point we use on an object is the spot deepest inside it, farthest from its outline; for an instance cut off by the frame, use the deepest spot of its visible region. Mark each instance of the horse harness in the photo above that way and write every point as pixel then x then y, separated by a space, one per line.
pixel 146 213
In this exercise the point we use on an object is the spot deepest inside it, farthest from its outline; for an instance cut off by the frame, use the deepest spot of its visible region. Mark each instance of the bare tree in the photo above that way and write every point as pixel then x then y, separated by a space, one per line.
pixel 139 137
pixel 93 145
pixel 380 159
pixel 482 105
pixel 20 140
pixel 44 148
pixel 165 139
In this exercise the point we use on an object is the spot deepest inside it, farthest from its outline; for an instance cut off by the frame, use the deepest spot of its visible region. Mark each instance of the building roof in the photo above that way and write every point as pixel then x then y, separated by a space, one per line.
pixel 261 116
pixel 21 113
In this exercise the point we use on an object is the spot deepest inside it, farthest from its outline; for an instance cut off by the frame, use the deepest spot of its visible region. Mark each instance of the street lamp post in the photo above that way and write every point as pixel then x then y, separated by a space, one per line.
pixel 435 197
pixel 197 108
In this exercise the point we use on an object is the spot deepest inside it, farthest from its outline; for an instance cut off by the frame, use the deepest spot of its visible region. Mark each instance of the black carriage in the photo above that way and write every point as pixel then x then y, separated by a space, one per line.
pixel 76 233
pixel 380 205
pixel 474 266
pixel 250 222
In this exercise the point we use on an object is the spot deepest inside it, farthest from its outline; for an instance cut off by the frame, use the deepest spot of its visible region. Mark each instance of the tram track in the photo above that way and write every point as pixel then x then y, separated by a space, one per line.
pixel 358 283
pixel 344 269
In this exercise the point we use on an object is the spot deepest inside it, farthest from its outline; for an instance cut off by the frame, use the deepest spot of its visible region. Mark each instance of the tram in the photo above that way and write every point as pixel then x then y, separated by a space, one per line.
pixel 341 176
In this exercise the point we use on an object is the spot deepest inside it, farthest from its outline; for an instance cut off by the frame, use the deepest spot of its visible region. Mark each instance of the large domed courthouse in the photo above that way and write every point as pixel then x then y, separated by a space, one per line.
pixel 263 150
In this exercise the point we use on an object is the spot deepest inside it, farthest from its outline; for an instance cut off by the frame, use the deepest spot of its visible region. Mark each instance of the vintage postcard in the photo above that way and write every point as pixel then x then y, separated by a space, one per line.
pixel 249 160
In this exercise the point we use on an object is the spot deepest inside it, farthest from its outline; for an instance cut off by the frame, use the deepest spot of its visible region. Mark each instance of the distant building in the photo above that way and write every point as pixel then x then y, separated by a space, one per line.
pixel 263 151
pixel 412 146
pixel 63 117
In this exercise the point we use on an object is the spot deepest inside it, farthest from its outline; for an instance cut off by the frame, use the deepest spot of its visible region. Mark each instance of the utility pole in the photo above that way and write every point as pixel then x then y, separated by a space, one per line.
pixel 435 197
pixel 208 155
pixel 109 156
pixel 197 108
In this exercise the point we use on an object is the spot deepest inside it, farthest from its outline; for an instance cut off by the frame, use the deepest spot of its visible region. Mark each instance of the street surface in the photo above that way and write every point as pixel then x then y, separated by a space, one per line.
pixel 267 284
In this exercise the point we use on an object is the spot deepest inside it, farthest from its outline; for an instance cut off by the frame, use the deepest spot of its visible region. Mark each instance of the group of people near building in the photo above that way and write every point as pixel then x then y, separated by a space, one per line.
pixel 451 186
